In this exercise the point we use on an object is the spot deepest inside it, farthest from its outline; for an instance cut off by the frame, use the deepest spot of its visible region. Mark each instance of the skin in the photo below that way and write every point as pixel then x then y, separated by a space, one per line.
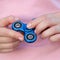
pixel 47 25
pixel 9 39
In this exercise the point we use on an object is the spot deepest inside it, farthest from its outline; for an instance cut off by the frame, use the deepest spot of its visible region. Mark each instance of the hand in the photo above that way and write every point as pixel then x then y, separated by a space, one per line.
pixel 9 39
pixel 47 25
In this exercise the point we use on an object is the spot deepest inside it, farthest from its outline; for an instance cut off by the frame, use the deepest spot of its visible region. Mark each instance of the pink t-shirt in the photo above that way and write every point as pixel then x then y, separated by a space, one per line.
pixel 27 10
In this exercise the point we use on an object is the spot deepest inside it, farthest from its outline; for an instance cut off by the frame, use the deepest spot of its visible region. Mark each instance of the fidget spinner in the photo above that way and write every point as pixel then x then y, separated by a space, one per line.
pixel 29 34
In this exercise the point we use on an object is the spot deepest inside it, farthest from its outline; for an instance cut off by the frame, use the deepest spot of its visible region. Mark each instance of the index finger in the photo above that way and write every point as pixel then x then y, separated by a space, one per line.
pixel 35 22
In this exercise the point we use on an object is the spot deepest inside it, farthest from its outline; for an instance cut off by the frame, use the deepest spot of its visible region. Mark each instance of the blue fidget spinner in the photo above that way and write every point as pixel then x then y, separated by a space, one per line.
pixel 29 34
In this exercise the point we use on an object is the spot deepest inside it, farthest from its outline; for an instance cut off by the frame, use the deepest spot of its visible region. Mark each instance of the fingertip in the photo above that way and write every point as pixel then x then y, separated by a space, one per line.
pixel 29 25
pixel 10 18
pixel 53 39
pixel 16 18
pixel 20 38
pixel 36 32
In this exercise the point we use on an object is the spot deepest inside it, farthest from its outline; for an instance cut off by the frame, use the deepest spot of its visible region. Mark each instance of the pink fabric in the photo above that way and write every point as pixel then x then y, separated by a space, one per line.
pixel 28 9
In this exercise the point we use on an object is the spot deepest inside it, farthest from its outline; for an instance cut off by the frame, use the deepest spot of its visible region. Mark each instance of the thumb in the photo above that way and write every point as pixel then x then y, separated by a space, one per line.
pixel 8 32
pixel 6 21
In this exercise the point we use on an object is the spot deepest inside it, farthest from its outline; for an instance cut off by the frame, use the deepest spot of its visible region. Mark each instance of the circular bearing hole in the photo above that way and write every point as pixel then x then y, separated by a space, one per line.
pixel 30 36
pixel 17 25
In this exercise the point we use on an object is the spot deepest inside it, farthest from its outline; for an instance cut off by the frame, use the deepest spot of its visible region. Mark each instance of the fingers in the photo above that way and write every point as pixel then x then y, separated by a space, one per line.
pixel 45 24
pixel 48 25
pixel 51 31
pixel 42 26
pixel 6 21
pixel 7 40
pixel 51 17
pixel 35 22
pixel 10 33
pixel 11 45
pixel 6 50
pixel 8 47
pixel 55 37
pixel 8 44
pixel 7 32
pixel 44 21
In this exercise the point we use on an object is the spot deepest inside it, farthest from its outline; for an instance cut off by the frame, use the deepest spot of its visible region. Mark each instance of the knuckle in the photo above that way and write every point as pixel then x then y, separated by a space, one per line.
pixel 47 22
pixel 9 45
pixel 11 33
pixel 14 44
pixel 45 34
pixel 53 30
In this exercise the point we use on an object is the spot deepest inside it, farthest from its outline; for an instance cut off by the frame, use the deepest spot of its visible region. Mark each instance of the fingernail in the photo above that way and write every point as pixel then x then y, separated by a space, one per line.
pixel 29 26
pixel 16 18
pixel 20 38
pixel 10 17
pixel 35 31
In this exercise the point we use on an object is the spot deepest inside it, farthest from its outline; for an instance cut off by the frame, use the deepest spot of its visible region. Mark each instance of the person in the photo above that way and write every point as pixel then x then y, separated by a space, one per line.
pixel 47 25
